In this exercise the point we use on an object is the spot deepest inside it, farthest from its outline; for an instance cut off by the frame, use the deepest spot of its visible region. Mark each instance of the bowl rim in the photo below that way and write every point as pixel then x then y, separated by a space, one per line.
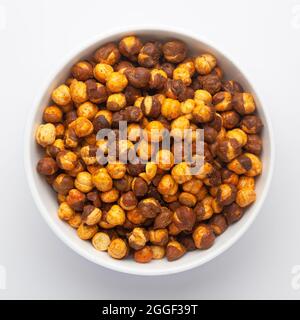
pixel 28 140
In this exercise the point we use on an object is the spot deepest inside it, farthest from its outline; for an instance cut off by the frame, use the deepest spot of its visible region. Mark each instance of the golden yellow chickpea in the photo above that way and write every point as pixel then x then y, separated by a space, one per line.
pixel 187 106
pixel 110 196
pixel 181 173
pixel 158 252
pixel 178 127
pixel 245 197
pixel 171 108
pixel 101 241
pixel 82 127
pixel 78 91
pixel 115 216
pixel 116 82
pixel 61 95
pixel 52 114
pixel 102 71
pixel 86 232
pixel 167 185
pixel 65 212
pixel 116 169
pixel 45 134
pixel 187 199
pixel 155 131
pixel 151 169
pixel 83 182
pixel 91 215
pixel 202 95
pixel 246 183
pixel 87 110
pixel 183 74
pixel 75 221
pixel 203 113
pixel 67 160
pixel 165 159
pixel 102 180
pixel 193 186
pixel 205 63
pixel 118 249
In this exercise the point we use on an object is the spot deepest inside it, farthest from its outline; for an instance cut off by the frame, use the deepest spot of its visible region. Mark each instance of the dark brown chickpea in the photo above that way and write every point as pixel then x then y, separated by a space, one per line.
pixel 149 54
pixel 52 114
pixel 218 223
pixel 174 51
pixel 76 199
pixel 130 47
pixel 232 86
pixel 47 166
pixel 210 83
pixel 251 124
pixel 82 70
pixel 184 218
pixel 254 144
pixel 138 77
pixel 96 91
pixel 233 213
pixel 108 53
pixel 230 119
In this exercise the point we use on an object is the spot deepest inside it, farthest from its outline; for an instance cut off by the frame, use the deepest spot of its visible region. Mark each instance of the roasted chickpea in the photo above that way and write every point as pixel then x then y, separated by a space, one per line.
pixel 87 110
pixel 88 155
pixel 83 182
pixel 226 194
pixel 52 114
pixel 63 183
pixel 135 216
pixel 241 164
pixel 82 127
pixel 181 173
pixel 187 106
pixel 203 209
pixel 75 221
pixel 179 127
pixel 233 213
pixel 228 149
pixel 205 63
pixel 91 215
pixel 139 187
pixel 229 177
pixel 218 224
pixel 116 169
pixel 130 47
pixel 45 134
pixel 128 201
pixel 138 77
pixel 174 51
pixel 151 105
pixel 158 252
pixel 82 70
pixel 203 236
pixel 183 74
pixel 86 232
pixel 149 207
pixel 164 159
pixel 97 92
pixel 171 109
pixel 193 186
pixel 143 255
pixel 245 182
pixel 230 119
pixel 110 196
pixel 222 101
pixel 243 103
pixel 138 238
pixel 46 166
pixel 115 216
pixel 232 86
pixel 254 144
pixel 61 95
pixel 251 124
pixel 101 241
pixel 76 199
pixel 78 91
pixel 184 218
pixel 187 199
pixel 245 197
pixel 159 237
pixel 239 135
pixel 149 54
pixel 158 79
pixel 66 160
pixel 108 54
pixel 102 180
pixel 116 82
pixel 175 250
pixel 203 113
pixel 167 185
pixel 144 150
pixel 202 96
pixel 102 71
pixel 116 102
pixel 155 131
pixel 118 249
pixel 102 120
pixel 65 212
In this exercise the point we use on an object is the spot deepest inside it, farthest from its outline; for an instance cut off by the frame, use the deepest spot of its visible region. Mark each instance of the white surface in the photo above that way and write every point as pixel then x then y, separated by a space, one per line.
pixel 263 36
pixel 47 202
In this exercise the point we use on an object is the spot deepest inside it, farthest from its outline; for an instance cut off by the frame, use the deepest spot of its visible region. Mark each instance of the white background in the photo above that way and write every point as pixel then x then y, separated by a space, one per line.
pixel 263 36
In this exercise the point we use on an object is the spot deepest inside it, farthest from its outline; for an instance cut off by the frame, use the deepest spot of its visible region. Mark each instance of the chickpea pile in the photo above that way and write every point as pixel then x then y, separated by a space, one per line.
pixel 158 209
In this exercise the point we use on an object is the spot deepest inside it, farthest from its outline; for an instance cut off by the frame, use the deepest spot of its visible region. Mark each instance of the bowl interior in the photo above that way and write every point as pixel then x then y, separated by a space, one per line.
pixel 46 199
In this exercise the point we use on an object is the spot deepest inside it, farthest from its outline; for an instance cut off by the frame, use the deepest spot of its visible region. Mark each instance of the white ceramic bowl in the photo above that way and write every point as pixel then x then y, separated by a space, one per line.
pixel 45 197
